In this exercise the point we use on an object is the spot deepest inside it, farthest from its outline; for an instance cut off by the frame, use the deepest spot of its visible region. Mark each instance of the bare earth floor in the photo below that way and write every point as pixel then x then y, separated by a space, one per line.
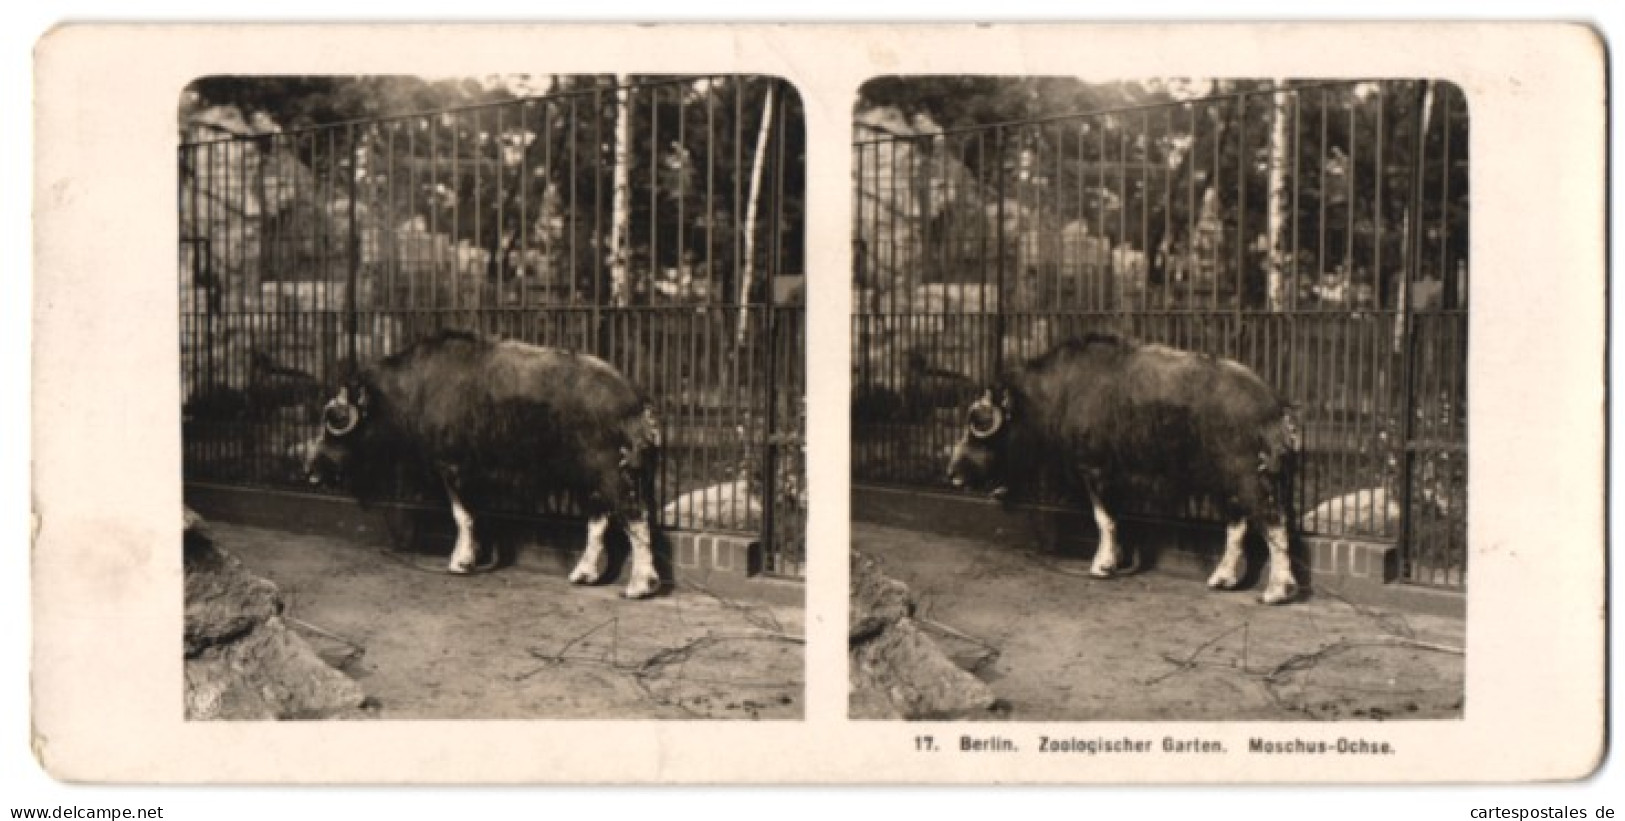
pixel 521 642
pixel 1158 645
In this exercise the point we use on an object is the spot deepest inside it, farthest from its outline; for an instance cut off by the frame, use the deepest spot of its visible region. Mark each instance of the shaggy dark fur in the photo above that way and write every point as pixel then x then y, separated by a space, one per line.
pixel 500 419
pixel 1107 414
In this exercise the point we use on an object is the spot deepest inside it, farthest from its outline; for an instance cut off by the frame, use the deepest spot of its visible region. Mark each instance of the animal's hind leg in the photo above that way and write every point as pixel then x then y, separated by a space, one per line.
pixel 645 579
pixel 590 568
pixel 637 493
pixel 464 555
pixel 1282 587
pixel 1275 481
pixel 1228 574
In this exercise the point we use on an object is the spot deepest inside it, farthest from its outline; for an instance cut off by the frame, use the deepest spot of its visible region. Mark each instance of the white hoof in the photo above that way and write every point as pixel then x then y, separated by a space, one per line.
pixel 1103 571
pixel 642 587
pixel 460 568
pixel 1279 593
pixel 584 575
pixel 1222 581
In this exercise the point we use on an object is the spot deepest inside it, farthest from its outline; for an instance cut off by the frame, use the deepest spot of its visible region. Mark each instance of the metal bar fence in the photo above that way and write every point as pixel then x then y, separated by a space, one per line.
pixel 1315 232
pixel 307 252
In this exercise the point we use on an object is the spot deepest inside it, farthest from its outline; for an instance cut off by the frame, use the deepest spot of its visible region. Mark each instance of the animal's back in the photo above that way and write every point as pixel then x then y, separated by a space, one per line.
pixel 546 416
pixel 1152 409
pixel 1106 374
pixel 452 370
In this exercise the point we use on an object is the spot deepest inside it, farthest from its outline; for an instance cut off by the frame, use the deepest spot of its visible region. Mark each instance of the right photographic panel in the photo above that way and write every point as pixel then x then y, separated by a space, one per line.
pixel 1159 399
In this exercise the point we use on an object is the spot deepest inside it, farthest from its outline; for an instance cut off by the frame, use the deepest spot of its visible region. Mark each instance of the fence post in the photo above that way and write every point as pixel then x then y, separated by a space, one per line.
pixel 1406 343
pixel 770 475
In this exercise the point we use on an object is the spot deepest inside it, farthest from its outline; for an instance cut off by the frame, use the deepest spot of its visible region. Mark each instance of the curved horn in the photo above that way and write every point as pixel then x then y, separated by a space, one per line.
pixel 994 415
pixel 352 417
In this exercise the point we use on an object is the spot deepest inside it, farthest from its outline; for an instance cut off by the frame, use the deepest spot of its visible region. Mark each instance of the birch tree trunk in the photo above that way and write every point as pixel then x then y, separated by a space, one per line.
pixel 620 284
pixel 747 272
pixel 1274 255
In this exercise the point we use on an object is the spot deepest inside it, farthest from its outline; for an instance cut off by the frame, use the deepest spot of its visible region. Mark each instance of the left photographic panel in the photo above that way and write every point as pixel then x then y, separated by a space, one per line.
pixel 493 396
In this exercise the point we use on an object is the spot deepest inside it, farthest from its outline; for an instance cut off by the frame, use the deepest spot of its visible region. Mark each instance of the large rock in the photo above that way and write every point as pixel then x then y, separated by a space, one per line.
pixel 267 673
pixel 242 662
pixel 897 670
pixel 876 601
pixel 223 601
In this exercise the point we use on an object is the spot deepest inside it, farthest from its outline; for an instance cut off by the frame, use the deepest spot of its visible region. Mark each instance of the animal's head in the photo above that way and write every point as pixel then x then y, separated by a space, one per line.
pixel 329 455
pixel 979 458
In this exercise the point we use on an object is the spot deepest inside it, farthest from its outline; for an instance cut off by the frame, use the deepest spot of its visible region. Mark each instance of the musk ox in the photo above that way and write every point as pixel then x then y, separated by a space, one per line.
pixel 1104 416
pixel 495 418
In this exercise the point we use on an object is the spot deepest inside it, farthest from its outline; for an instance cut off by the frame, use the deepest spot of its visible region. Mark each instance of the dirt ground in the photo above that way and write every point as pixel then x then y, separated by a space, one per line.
pixel 521 642
pixel 1158 645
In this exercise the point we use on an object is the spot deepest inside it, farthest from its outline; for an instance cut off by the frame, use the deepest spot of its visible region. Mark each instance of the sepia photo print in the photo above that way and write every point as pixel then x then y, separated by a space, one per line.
pixel 1159 401
pixel 493 396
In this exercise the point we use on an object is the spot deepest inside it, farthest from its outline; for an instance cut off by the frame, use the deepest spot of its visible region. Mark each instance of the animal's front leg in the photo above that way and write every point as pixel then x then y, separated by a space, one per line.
pixel 1106 555
pixel 590 568
pixel 464 555
pixel 645 580
pixel 1228 574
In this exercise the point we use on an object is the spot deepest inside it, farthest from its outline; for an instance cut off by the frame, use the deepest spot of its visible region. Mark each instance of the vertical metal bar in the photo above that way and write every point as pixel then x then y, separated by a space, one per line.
pixel 1243 244
pixel 1145 211
pixel 1102 267
pixel 533 265
pixel 477 204
pixel 738 171
pixel 776 263
pixel 982 227
pixel 1217 254
pixel 901 243
pixel 948 248
pixel 684 268
pixel 571 125
pixel 1297 188
pixel 711 189
pixel 1320 195
pixel 1057 261
pixel 653 263
pixel 997 356
pixel 1446 276
pixel 770 475
pixel 1166 258
pixel 354 267
pixel 500 248
pixel 455 217
pixel 596 249
pixel 864 273
pixel 1191 221
pixel 1380 228
pixel 434 212
pixel 1080 237
pixel 1349 174
pixel 1119 245
pixel 250 275
pixel 413 268
pixel 390 233
pixel 1408 342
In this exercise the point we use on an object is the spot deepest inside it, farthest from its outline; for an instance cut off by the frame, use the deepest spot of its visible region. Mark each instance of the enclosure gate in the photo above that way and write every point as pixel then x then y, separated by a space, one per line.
pixel 1315 232
pixel 657 224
